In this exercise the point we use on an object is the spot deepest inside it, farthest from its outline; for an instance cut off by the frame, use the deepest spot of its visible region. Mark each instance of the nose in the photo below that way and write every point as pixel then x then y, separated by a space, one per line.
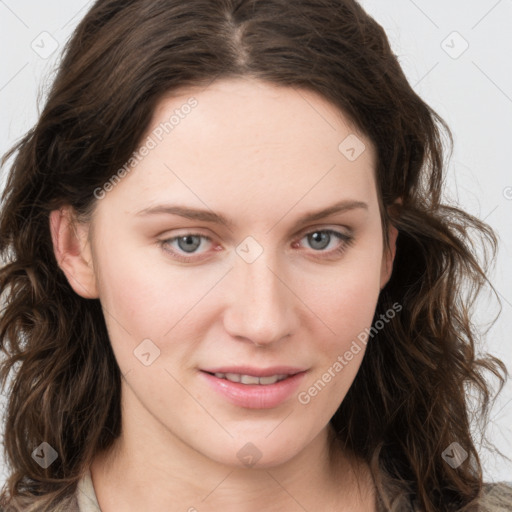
pixel 262 307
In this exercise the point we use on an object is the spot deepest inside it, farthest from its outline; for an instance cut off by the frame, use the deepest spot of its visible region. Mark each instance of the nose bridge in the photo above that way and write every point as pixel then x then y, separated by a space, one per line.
pixel 263 281
pixel 262 308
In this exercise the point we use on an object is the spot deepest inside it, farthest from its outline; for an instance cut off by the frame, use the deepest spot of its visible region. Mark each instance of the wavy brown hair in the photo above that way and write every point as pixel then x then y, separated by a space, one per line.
pixel 409 400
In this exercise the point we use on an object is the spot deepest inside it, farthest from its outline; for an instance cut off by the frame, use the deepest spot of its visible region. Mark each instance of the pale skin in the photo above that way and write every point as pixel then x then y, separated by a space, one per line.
pixel 261 156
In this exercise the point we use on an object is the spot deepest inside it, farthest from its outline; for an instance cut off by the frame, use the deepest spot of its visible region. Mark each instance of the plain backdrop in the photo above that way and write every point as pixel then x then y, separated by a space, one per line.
pixel 456 55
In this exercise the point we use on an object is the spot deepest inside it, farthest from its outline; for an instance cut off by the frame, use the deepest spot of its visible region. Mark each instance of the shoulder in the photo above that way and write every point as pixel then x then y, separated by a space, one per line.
pixel 496 497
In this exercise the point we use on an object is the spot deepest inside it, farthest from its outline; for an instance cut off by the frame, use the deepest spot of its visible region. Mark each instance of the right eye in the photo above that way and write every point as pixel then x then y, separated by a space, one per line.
pixel 187 243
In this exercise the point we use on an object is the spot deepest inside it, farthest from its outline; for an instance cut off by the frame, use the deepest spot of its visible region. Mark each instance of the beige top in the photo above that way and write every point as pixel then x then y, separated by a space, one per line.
pixel 496 497
pixel 86 496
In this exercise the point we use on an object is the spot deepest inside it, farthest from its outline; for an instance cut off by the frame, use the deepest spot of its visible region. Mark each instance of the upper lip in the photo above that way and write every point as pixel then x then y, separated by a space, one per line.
pixel 256 372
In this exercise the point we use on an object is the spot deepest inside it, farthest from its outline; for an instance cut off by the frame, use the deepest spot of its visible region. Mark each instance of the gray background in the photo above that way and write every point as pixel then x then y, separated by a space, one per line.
pixel 456 54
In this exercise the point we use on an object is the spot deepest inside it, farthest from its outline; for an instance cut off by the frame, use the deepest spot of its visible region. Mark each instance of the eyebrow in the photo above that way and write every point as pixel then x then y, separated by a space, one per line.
pixel 212 217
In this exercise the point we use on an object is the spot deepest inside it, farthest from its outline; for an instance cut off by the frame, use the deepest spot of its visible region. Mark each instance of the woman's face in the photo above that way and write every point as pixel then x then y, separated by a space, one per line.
pixel 280 288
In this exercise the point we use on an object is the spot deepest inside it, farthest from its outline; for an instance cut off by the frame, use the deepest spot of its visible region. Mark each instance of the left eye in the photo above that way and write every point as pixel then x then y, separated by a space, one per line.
pixel 320 240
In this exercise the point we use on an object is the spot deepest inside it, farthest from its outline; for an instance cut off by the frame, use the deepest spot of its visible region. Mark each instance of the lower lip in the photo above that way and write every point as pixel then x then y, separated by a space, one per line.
pixel 255 396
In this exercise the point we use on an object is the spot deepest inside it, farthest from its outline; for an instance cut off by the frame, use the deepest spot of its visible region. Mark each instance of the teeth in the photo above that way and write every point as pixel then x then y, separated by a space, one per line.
pixel 251 379
pixel 248 379
pixel 271 379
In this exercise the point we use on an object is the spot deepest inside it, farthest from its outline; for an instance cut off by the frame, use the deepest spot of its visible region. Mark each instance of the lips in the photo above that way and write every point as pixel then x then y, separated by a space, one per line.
pixel 254 388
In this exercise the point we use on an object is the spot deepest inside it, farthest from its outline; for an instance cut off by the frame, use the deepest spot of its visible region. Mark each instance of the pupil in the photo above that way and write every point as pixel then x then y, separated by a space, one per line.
pixel 189 239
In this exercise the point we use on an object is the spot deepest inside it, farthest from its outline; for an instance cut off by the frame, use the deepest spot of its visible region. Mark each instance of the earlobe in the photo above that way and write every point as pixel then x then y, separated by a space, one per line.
pixel 72 252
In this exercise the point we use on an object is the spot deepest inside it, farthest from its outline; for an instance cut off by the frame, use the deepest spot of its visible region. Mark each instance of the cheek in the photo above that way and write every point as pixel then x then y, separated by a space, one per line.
pixel 152 300
pixel 347 305
pixel 345 299
pixel 129 290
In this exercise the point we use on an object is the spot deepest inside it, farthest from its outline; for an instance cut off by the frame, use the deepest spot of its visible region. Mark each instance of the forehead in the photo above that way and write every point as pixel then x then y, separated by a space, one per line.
pixel 246 141
pixel 253 115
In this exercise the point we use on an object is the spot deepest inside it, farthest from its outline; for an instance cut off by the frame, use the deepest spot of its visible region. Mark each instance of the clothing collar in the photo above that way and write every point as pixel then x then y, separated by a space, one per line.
pixel 85 494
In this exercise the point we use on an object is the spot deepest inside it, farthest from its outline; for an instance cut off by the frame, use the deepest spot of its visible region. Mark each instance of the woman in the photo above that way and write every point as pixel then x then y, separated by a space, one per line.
pixel 310 349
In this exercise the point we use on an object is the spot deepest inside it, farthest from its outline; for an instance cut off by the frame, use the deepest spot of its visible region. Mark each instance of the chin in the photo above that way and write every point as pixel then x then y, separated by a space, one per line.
pixel 258 452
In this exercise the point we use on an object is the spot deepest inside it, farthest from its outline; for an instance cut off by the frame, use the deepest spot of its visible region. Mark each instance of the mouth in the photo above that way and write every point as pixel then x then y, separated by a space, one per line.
pixel 254 388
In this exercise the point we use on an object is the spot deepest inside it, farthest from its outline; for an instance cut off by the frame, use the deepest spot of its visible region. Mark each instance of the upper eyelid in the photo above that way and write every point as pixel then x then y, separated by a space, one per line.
pixel 303 232
pixel 314 229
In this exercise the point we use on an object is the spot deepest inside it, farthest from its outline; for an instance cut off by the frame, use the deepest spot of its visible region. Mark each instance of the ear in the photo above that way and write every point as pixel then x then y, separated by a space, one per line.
pixel 72 251
pixel 388 256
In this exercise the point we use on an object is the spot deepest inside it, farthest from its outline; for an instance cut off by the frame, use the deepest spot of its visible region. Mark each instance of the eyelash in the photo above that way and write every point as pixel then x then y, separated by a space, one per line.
pixel 347 240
